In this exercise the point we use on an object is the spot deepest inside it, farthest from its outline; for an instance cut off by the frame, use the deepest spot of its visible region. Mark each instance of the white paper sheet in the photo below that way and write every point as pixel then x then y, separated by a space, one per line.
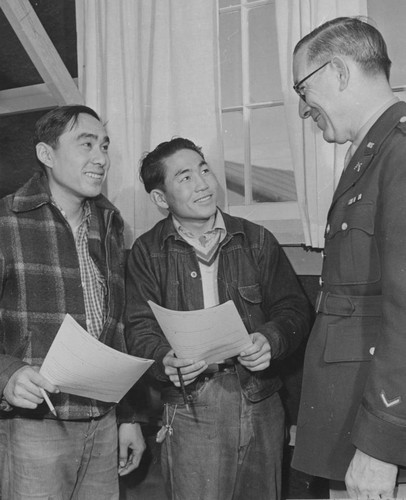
pixel 79 364
pixel 212 334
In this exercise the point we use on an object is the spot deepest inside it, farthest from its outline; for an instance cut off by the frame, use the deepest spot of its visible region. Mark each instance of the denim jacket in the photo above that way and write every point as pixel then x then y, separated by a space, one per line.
pixel 253 272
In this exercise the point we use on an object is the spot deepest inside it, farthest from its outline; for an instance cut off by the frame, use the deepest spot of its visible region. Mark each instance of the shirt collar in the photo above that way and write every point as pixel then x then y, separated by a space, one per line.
pixel 362 132
pixel 217 224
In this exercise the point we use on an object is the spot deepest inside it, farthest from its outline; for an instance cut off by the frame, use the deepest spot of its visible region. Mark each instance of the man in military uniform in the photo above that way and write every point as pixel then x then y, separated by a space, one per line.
pixel 352 418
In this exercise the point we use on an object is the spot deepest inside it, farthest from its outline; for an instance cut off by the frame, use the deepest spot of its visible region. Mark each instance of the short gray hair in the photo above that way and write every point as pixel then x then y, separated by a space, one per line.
pixel 349 36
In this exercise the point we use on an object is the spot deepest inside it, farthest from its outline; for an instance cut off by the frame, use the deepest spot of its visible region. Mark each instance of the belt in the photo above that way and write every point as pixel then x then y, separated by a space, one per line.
pixel 349 305
pixel 227 365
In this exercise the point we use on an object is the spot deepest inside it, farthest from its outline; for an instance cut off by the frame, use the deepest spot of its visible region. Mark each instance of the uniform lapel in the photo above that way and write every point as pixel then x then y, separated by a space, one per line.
pixel 369 147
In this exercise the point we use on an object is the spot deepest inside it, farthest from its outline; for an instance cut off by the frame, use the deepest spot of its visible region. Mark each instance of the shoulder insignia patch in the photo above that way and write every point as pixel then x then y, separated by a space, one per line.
pixel 390 402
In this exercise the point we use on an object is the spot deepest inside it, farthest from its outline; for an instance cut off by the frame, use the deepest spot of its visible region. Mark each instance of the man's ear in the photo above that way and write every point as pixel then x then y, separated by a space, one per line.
pixel 343 71
pixel 44 154
pixel 158 197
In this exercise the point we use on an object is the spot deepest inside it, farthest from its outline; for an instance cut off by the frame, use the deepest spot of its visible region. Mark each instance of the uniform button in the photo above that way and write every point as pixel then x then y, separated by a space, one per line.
pixel 403 119
pixel 193 274
pixel 321 281
pixel 372 351
pixel 328 228
pixel 344 226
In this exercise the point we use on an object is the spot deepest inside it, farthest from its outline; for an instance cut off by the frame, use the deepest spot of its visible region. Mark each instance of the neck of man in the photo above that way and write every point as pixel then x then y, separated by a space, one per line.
pixel 71 208
pixel 371 97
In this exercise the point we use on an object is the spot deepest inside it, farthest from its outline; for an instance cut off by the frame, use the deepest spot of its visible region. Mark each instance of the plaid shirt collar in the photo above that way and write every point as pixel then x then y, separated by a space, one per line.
pixel 36 193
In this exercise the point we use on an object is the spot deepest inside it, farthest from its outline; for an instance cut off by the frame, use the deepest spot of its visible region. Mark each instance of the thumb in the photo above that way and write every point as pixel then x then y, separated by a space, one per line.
pixel 122 455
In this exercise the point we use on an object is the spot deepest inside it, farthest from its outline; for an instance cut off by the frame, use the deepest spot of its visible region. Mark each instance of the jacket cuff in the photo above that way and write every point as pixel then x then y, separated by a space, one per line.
pixel 157 370
pixel 379 436
pixel 12 366
pixel 274 338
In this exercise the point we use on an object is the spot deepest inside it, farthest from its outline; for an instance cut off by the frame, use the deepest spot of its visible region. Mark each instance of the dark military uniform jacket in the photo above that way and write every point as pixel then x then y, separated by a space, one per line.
pixel 354 385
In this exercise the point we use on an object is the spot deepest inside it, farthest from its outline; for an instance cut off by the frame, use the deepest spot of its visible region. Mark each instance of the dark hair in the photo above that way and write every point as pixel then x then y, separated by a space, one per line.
pixel 350 36
pixel 53 124
pixel 152 165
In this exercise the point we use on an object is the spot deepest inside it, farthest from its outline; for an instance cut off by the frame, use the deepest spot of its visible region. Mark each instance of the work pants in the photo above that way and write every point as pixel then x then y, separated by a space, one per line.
pixel 226 447
pixel 59 460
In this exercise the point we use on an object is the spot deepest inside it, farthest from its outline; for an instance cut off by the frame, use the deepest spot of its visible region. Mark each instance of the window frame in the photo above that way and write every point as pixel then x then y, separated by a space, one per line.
pixel 269 214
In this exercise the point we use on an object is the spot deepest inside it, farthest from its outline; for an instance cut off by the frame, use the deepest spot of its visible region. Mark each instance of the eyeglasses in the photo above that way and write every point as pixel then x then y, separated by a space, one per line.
pixel 297 87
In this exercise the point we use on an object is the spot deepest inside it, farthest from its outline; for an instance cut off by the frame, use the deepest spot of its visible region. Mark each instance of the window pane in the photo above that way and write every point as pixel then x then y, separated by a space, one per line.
pixel 272 173
pixel 389 18
pixel 234 156
pixel 401 95
pixel 230 59
pixel 265 84
pixel 228 3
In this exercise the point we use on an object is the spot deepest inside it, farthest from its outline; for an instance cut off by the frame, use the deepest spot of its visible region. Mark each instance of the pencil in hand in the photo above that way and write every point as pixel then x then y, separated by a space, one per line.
pixel 183 389
pixel 48 402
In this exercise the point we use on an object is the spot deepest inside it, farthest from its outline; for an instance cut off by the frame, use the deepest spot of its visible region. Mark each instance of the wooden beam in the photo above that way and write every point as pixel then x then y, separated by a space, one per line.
pixel 25 99
pixel 42 52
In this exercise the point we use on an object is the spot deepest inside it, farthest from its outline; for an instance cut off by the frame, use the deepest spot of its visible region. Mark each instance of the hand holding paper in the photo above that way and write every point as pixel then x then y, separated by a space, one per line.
pixel 212 334
pixel 79 364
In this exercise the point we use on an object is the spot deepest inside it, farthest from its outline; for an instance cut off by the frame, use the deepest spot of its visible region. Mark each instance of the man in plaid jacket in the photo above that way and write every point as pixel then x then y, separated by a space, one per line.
pixel 61 251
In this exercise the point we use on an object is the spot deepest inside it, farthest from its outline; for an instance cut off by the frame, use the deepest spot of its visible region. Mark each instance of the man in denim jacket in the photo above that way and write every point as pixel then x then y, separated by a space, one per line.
pixel 230 444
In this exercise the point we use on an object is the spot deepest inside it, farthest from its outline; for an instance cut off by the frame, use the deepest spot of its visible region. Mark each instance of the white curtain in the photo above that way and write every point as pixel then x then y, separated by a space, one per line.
pixel 149 68
pixel 317 164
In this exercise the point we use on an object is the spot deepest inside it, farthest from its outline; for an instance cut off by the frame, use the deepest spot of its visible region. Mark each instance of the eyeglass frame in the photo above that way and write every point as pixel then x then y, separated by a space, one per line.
pixel 297 86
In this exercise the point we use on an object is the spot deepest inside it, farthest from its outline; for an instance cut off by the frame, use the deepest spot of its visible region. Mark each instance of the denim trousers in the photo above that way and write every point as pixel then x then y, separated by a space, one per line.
pixel 225 447
pixel 59 460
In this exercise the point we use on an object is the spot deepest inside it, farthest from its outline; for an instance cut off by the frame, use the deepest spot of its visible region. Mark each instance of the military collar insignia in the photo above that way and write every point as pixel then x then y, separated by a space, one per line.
pixel 353 200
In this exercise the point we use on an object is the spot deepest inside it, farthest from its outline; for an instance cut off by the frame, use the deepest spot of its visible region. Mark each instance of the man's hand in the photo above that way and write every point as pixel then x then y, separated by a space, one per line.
pixel 258 356
pixel 368 477
pixel 131 446
pixel 23 388
pixel 190 369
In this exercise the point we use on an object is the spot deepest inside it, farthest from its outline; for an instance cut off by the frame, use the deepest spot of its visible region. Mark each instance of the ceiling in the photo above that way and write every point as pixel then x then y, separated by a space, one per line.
pixel 38 70
pixel 38 57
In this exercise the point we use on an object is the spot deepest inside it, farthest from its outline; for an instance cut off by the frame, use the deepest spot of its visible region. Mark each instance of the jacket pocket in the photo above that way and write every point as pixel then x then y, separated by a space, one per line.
pixel 351 340
pixel 249 306
pixel 351 248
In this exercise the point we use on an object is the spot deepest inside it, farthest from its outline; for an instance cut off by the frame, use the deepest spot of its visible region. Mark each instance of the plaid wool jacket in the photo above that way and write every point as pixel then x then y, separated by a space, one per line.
pixel 40 282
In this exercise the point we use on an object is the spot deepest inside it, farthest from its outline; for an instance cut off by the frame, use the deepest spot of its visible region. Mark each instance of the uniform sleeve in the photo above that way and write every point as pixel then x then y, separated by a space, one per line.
pixel 380 426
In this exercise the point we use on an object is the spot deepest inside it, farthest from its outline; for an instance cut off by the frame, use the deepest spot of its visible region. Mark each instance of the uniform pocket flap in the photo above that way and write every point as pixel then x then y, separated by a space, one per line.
pixel 347 343
pixel 358 216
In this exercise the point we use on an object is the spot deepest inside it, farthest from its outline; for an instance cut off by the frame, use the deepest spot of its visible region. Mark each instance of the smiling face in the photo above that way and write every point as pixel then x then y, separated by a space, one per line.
pixel 78 165
pixel 190 191
pixel 324 97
